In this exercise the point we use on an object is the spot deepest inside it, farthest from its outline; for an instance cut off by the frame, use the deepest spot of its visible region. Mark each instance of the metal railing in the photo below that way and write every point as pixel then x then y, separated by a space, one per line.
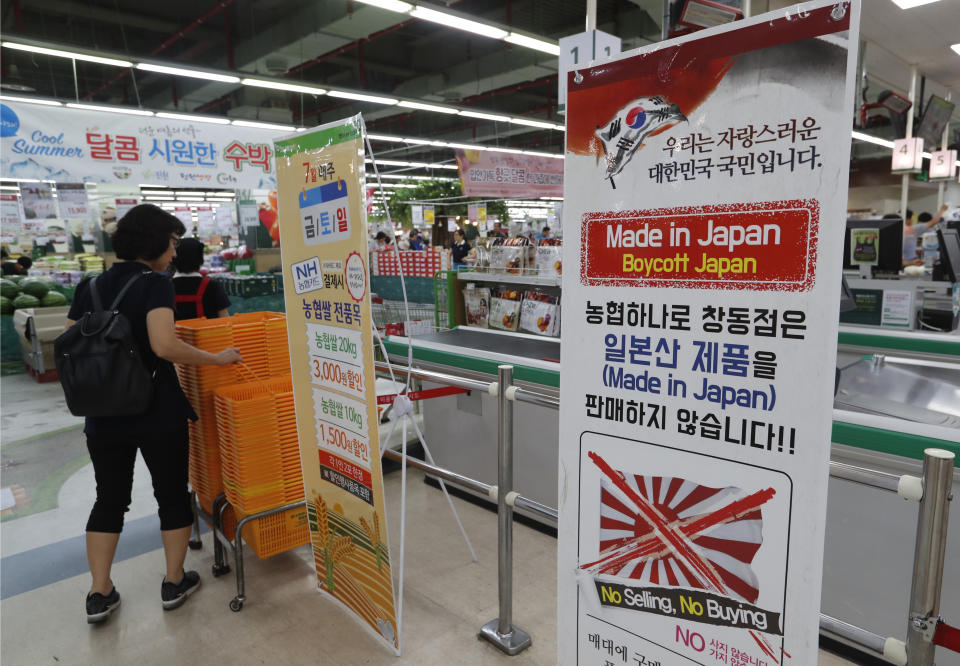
pixel 932 491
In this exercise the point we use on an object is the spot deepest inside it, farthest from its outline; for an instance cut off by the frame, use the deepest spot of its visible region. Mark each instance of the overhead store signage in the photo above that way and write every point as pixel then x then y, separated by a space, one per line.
pixel 488 174
pixel 11 218
pixel 907 156
pixel 703 178
pixel 943 164
pixel 579 50
pixel 324 249
pixel 75 145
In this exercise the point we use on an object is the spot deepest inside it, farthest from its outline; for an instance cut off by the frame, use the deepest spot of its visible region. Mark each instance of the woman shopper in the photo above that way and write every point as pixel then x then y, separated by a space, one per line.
pixel 146 240
pixel 196 295
pixel 460 249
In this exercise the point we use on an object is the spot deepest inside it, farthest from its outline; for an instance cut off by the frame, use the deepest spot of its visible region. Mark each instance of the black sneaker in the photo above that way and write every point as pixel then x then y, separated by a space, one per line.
pixel 174 594
pixel 100 607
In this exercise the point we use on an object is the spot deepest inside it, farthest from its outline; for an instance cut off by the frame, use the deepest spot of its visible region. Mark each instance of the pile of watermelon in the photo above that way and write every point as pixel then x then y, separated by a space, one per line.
pixel 17 291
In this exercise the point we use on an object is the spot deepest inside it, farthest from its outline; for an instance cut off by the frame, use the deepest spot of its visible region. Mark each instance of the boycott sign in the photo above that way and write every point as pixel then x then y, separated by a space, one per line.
pixel 323 231
pixel 706 182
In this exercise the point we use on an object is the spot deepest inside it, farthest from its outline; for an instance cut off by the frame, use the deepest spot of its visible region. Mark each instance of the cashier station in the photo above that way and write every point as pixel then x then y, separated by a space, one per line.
pixel 898 392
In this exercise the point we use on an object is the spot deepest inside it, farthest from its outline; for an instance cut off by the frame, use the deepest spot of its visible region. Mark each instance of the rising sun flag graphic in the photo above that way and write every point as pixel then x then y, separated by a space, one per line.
pixel 671 532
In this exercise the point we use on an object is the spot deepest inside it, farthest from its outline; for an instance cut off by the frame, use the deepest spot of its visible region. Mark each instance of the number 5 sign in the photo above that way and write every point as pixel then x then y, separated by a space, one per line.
pixel 577 51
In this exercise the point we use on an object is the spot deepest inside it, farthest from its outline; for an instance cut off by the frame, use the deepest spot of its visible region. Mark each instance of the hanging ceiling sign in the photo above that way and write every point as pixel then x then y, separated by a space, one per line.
pixel 79 145
pixel 486 174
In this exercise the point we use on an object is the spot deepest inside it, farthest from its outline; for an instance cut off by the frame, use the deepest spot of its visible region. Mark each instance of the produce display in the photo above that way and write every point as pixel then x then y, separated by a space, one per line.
pixel 29 292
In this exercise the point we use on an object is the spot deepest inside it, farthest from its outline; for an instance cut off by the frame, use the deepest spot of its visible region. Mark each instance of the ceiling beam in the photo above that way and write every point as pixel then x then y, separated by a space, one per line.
pixel 127 19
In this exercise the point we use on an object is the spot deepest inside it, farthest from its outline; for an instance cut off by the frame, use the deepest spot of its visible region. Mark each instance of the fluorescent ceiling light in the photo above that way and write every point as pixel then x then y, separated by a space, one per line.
pixel 149 185
pixel 424 142
pixel 195 73
pixel 22 180
pixel 391 5
pixel 384 137
pixel 460 23
pixel 539 154
pixel 67 54
pixel 158 198
pixel 391 163
pixel 189 193
pixel 485 116
pixel 860 136
pixel 191 118
pixel 250 123
pixel 156 193
pixel 427 107
pixel 110 109
pixel 276 85
pixel 31 100
pixel 506 150
pixel 532 123
pixel 466 146
pixel 956 48
pixel 910 4
pixel 220 194
pixel 533 43
pixel 363 98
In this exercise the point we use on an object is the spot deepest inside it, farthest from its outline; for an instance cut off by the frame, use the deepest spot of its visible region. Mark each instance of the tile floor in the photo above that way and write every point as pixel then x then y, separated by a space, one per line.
pixel 284 621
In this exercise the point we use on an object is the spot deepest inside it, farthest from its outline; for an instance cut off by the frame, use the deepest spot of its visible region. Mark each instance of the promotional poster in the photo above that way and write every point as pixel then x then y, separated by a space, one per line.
pixel 486 174
pixel 705 200
pixel 85 146
pixel 327 295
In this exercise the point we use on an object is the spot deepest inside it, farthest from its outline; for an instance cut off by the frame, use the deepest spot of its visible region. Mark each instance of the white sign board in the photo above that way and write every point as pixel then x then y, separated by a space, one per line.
pixel 907 156
pixel 700 295
pixel 577 51
pixel 943 164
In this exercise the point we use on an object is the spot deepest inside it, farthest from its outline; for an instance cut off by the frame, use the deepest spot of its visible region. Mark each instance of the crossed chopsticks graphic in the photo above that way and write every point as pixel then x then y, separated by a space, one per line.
pixel 676 538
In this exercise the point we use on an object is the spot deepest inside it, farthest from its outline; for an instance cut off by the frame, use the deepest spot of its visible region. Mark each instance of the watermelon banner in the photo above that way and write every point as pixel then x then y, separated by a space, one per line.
pixel 322 218
pixel 705 195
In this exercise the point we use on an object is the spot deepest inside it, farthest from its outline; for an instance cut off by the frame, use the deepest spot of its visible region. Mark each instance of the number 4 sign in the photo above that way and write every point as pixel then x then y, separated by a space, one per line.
pixel 907 156
pixel 577 51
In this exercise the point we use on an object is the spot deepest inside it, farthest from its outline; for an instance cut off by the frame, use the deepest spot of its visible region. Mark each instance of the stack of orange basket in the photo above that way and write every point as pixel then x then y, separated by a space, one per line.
pixel 258 336
pixel 260 457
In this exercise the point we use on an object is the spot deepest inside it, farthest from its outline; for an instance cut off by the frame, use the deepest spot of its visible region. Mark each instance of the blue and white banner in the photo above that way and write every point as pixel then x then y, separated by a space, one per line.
pixel 84 146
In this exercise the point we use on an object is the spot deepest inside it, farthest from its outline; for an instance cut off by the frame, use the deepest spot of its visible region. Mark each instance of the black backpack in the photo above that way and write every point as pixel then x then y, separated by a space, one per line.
pixel 99 362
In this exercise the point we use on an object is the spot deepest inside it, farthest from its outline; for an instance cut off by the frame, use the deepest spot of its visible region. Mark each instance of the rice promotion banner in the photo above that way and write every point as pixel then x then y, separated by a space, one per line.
pixel 705 200
pixel 327 293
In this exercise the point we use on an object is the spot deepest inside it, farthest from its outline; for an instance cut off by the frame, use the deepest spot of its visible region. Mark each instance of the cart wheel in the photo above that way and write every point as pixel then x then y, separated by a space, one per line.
pixel 196 545
pixel 236 605
pixel 220 570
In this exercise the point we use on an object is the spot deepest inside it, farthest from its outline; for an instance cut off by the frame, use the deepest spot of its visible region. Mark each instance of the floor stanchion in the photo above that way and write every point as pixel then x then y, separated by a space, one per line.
pixel 501 631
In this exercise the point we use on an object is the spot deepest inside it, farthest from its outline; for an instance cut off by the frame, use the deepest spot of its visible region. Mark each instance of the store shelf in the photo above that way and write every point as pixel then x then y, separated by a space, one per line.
pixel 509 278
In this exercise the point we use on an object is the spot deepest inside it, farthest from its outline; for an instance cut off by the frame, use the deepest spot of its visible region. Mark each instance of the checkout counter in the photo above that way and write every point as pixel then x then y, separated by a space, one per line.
pixel 898 394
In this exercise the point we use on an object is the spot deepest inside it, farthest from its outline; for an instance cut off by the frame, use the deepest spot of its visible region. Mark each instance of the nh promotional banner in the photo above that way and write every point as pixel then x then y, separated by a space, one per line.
pixel 323 231
pixel 705 197
pixel 82 146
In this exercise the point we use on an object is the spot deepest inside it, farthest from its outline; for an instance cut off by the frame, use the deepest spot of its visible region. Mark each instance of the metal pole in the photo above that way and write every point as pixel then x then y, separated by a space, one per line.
pixel 591 15
pixel 929 555
pixel 665 24
pixel 501 631
pixel 943 146
pixel 905 179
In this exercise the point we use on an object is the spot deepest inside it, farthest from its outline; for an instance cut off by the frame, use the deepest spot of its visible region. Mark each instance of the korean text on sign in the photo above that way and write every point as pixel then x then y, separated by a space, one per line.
pixel 324 213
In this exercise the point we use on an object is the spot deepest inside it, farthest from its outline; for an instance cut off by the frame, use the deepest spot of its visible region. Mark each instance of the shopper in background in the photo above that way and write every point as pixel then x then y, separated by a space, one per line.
pixel 415 242
pixel 18 267
pixel 145 240
pixel 382 241
pixel 196 295
pixel 498 231
pixel 544 234
pixel 460 248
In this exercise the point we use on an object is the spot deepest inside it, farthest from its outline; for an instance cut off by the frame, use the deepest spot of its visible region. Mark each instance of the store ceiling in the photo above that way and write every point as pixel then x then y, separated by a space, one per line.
pixel 349 44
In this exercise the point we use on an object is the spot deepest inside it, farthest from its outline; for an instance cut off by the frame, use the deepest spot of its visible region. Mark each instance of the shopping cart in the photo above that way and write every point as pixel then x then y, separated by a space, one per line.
pixel 390 317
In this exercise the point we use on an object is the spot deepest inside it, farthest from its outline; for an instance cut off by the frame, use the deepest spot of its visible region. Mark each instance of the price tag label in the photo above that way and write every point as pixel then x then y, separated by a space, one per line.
pixel 336 359
pixel 324 213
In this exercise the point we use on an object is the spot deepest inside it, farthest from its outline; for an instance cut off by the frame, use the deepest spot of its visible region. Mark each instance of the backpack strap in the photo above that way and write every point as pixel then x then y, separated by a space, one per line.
pixel 97 306
pixel 123 292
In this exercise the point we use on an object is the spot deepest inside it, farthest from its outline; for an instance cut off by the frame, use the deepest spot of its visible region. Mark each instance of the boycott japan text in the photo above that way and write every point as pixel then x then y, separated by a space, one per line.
pixel 769 245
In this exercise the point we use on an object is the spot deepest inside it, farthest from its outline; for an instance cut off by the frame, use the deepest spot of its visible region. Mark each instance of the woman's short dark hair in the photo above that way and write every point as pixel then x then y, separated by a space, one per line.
pixel 144 233
pixel 26 262
pixel 189 257
pixel 459 231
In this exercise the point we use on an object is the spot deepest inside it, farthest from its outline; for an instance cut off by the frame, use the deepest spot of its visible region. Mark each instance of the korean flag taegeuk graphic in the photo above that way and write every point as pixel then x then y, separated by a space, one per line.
pixel 625 133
